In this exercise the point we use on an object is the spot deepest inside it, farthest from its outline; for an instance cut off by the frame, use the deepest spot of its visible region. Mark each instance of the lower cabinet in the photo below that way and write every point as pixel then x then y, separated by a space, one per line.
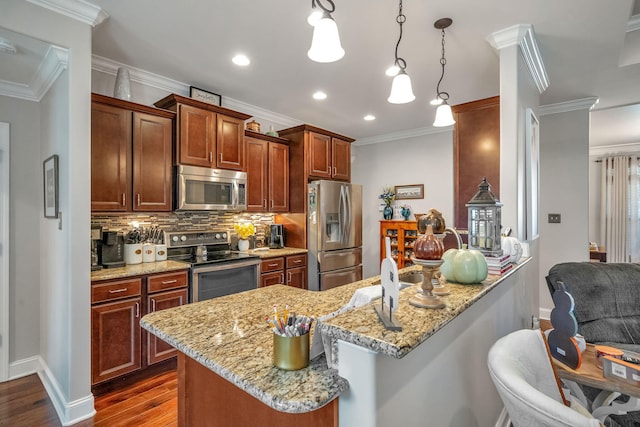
pixel 118 343
pixel 290 270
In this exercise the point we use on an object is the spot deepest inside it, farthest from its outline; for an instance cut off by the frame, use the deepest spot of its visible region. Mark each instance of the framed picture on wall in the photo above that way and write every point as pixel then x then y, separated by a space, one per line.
pixel 414 191
pixel 532 187
pixel 50 182
pixel 205 96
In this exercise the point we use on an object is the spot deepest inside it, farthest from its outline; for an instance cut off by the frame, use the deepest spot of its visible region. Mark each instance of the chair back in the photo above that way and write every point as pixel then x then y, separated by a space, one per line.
pixel 522 371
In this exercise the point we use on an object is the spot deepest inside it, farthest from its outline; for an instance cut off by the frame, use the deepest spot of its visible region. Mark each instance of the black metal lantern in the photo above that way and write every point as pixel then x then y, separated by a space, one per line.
pixel 485 217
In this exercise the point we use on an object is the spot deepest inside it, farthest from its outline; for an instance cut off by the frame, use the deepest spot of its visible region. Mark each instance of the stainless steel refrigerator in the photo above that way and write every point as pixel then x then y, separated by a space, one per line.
pixel 334 227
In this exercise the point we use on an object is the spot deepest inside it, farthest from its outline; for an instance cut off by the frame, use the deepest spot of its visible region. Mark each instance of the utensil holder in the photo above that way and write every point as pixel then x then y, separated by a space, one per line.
pixel 161 252
pixel 133 253
pixel 148 252
pixel 291 353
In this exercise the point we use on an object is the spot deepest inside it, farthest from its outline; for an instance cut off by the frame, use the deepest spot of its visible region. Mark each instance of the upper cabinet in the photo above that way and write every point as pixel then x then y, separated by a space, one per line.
pixel 207 135
pixel 476 147
pixel 131 156
pixel 315 153
pixel 267 173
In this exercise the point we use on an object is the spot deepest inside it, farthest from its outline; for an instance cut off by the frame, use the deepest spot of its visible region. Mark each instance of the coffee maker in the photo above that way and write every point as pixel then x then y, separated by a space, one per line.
pixel 276 236
pixel 112 249
pixel 96 247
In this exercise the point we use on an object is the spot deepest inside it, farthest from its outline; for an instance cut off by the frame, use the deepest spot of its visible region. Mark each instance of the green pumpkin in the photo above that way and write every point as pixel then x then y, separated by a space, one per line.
pixel 464 266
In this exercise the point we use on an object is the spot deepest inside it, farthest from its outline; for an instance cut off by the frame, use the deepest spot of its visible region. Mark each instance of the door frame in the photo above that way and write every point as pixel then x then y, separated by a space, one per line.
pixel 4 251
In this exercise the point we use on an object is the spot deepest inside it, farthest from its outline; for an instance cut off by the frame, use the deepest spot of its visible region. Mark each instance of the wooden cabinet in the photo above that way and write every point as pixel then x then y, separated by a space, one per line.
pixel 207 135
pixel 290 270
pixel 267 173
pixel 118 343
pixel 476 146
pixel 115 329
pixel 131 156
pixel 315 153
pixel 403 235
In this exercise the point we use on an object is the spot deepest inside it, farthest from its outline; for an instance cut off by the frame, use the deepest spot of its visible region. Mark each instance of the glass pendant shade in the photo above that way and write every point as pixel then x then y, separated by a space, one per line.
pixel 444 116
pixel 401 91
pixel 325 45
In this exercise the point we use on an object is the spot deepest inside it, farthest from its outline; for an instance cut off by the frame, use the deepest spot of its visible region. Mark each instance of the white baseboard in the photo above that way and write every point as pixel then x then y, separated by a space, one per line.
pixel 503 419
pixel 24 367
pixel 68 412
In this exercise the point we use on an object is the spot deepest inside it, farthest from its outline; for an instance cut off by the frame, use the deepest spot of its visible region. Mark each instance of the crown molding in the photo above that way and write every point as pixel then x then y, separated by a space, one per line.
pixel 109 66
pixel 79 10
pixel 55 61
pixel 523 36
pixel 564 107
pixel 400 135
pixel 634 23
pixel 603 150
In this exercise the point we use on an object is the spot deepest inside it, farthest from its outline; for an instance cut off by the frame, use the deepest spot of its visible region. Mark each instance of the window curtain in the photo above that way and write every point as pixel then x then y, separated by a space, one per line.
pixel 620 207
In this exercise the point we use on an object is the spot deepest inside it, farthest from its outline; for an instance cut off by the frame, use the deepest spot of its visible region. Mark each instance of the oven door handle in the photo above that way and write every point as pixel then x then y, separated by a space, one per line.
pixel 235 196
pixel 224 266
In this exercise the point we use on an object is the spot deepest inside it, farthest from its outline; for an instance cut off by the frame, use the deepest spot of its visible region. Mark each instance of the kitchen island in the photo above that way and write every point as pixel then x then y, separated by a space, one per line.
pixel 434 369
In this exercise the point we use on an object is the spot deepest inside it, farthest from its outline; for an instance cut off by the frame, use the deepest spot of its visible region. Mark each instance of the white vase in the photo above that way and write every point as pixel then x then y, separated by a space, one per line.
pixel 243 245
pixel 122 89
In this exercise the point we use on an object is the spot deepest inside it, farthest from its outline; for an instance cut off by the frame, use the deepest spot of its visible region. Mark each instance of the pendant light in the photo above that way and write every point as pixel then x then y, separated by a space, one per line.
pixel 325 45
pixel 401 91
pixel 444 116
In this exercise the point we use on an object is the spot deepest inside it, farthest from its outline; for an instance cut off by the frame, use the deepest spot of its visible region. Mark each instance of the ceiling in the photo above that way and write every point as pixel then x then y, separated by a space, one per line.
pixel 582 44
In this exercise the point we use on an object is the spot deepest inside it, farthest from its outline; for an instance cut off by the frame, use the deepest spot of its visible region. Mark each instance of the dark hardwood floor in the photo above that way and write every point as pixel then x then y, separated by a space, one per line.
pixel 147 402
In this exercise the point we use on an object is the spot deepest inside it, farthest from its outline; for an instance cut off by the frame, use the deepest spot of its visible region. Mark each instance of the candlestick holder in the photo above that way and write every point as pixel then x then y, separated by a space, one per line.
pixel 426 298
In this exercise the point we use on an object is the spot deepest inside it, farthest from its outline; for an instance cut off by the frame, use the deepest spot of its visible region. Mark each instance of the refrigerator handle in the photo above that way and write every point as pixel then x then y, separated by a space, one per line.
pixel 341 213
pixel 348 222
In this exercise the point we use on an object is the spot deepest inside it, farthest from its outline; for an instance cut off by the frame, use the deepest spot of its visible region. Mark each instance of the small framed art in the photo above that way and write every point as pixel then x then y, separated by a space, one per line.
pixel 50 182
pixel 205 96
pixel 414 191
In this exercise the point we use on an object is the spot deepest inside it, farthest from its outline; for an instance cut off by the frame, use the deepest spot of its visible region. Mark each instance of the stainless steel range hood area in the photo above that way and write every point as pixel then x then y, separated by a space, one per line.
pixel 206 189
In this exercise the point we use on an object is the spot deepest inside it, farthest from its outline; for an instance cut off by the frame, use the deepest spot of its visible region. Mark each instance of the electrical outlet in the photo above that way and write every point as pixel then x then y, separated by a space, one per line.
pixel 554 218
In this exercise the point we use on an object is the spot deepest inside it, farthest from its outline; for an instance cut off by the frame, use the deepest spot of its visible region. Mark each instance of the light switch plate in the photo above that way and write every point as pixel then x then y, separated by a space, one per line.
pixel 554 218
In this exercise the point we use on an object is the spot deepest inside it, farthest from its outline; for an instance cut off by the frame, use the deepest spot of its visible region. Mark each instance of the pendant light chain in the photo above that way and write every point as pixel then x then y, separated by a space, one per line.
pixel 319 4
pixel 443 61
pixel 400 19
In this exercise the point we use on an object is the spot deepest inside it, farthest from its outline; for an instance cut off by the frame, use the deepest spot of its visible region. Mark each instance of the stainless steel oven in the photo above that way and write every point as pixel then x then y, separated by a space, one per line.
pixel 215 269
pixel 224 278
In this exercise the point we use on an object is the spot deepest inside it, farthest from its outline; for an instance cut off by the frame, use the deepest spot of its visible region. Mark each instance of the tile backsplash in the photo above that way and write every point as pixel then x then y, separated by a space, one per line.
pixel 173 221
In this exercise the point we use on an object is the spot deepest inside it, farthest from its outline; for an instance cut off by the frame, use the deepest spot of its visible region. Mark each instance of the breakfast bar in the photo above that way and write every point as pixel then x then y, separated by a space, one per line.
pixel 370 377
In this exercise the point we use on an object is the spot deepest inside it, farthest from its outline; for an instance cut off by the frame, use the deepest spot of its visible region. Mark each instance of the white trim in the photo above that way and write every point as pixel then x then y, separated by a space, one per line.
pixel 262 113
pixel 615 149
pixel 55 61
pixel 403 134
pixel 503 419
pixel 4 249
pixel 68 412
pixel 77 9
pixel 523 36
pixel 22 368
pixel 545 313
pixel 564 107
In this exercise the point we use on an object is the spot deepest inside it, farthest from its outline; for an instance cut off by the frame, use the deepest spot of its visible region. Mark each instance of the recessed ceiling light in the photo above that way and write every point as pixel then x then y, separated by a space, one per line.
pixel 369 117
pixel 319 95
pixel 241 60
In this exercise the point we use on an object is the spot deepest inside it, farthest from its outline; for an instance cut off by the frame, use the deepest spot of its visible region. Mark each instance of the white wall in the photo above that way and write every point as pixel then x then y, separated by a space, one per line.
pixel 424 160
pixel 25 195
pixel 66 339
pixel 564 156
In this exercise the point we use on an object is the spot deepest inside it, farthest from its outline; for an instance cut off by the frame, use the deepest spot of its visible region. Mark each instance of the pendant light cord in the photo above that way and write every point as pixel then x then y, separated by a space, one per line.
pixel 401 19
pixel 442 95
pixel 318 3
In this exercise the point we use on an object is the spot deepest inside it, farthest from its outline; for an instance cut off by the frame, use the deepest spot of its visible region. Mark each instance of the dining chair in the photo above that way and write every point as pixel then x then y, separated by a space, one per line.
pixel 521 369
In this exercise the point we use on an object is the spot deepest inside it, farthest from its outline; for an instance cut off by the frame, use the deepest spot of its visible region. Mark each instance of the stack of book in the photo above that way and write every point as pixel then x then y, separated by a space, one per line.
pixel 498 265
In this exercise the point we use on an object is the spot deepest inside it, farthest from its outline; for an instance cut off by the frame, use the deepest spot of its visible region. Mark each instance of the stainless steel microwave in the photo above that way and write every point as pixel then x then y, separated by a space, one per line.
pixel 200 189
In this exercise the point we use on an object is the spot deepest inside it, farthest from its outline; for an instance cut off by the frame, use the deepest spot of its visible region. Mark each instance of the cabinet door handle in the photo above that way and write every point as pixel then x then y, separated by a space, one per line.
pixel 297 261
pixel 124 199
pixel 221 158
pixel 282 278
pixel 288 277
pixel 273 265
pixel 137 309
pixel 138 197
pixel 210 156
pixel 117 291
pixel 264 203
pixel 335 171
pixel 166 282
pixel 153 305
pixel 271 203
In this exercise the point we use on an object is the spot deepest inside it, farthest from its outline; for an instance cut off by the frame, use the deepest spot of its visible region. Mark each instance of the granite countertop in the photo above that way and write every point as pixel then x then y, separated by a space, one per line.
pixel 272 253
pixel 229 335
pixel 138 270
